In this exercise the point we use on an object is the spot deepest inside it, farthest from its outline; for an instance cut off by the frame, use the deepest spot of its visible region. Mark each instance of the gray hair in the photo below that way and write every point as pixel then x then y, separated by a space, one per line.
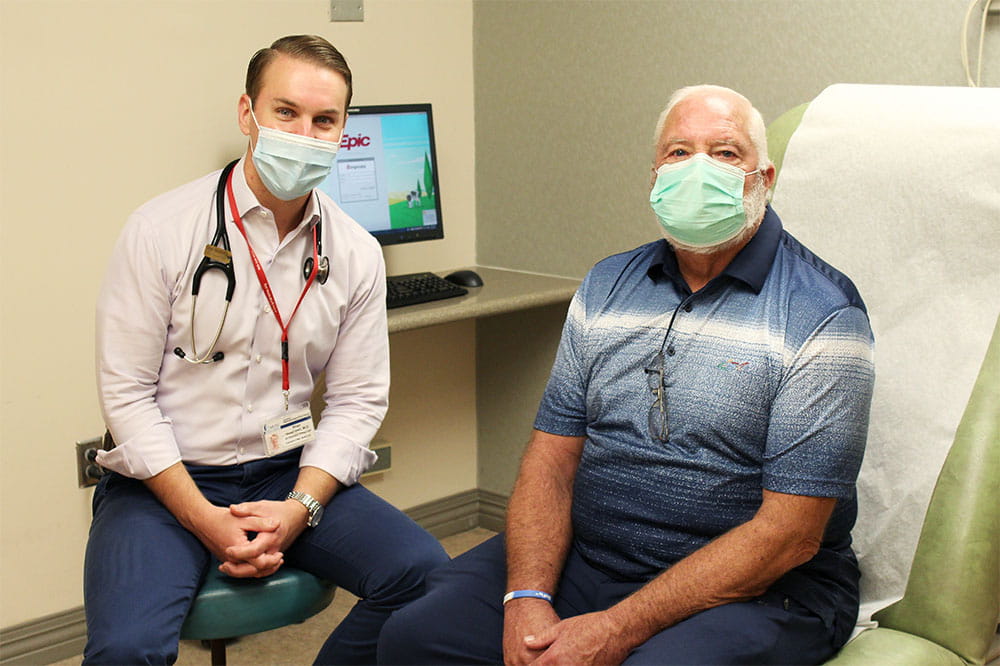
pixel 755 121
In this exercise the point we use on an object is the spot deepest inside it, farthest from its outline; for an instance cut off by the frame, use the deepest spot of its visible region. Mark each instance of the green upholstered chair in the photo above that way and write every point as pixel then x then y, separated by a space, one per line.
pixel 948 613
pixel 227 608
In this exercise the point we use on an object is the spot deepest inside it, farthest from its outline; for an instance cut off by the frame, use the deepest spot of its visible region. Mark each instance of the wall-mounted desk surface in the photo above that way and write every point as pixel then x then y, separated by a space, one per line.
pixel 502 291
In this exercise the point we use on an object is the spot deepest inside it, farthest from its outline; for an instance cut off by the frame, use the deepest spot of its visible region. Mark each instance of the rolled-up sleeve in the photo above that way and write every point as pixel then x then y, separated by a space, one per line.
pixel 133 313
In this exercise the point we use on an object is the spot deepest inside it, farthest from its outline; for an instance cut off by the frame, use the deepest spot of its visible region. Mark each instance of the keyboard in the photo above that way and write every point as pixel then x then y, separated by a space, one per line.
pixel 416 288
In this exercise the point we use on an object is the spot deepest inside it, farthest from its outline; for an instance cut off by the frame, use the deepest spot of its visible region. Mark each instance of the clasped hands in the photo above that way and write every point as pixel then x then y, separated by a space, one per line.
pixel 534 634
pixel 229 533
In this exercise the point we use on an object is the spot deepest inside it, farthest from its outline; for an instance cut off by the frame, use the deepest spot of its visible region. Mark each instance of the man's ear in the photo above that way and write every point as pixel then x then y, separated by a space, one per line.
pixel 243 118
pixel 770 173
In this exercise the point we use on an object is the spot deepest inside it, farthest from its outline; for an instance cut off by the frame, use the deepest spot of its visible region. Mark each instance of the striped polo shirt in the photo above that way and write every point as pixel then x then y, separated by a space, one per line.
pixel 767 381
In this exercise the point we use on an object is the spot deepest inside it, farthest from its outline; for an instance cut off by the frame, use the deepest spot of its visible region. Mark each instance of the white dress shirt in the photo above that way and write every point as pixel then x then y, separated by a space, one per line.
pixel 162 409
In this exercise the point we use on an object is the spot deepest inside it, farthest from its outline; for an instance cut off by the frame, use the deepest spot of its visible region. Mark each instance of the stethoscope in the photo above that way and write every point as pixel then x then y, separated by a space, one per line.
pixel 219 257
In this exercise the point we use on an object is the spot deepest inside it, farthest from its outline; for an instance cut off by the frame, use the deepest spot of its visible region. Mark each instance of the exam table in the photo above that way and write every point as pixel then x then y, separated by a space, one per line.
pixel 899 187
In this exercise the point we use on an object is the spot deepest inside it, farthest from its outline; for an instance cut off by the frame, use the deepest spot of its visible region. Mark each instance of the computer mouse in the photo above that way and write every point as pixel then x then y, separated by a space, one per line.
pixel 465 278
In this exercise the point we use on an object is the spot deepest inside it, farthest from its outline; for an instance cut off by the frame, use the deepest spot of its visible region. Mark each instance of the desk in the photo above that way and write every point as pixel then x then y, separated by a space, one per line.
pixel 503 291
pixel 467 374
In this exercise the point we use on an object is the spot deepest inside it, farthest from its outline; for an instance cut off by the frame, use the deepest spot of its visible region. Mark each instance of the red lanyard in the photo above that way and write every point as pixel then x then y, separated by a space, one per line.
pixel 266 286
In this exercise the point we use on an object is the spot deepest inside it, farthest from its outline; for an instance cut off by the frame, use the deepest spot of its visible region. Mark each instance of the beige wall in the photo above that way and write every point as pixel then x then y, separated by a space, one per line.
pixel 431 423
pixel 106 103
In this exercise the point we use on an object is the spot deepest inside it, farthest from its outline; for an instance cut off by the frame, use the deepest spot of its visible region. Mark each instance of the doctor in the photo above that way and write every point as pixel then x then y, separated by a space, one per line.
pixel 217 462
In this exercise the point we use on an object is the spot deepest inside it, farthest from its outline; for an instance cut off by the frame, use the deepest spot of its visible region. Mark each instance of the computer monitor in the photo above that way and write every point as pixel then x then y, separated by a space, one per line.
pixel 386 175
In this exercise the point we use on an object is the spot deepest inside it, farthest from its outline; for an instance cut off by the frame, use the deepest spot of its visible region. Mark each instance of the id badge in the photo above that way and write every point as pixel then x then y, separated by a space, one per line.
pixel 288 431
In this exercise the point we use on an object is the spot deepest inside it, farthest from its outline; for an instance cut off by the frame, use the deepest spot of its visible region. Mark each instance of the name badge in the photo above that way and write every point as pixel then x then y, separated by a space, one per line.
pixel 288 431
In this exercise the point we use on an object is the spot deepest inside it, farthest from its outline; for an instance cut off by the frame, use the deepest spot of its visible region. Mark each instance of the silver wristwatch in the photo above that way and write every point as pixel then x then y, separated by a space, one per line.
pixel 315 508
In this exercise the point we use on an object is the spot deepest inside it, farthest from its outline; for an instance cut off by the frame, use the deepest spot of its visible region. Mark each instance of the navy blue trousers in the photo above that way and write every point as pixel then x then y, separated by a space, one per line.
pixel 460 620
pixel 143 568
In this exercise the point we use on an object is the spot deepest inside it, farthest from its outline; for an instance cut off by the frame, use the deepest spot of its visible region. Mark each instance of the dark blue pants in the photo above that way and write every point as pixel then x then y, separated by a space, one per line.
pixel 143 568
pixel 460 620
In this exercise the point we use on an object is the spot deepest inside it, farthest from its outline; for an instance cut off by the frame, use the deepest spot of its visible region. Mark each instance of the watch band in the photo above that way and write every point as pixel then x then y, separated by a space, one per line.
pixel 314 508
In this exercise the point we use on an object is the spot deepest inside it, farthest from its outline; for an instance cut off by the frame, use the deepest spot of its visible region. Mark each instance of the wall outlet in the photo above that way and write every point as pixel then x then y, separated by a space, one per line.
pixel 88 472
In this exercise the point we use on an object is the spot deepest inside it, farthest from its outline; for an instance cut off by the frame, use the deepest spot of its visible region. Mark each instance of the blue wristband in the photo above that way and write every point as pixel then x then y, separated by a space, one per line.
pixel 520 594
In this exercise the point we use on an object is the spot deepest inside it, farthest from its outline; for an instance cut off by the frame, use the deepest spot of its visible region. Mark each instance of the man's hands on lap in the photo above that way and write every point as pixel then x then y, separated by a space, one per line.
pixel 220 530
pixel 592 639
pixel 525 617
pixel 226 531
pixel 534 634
pixel 265 553
pixel 289 518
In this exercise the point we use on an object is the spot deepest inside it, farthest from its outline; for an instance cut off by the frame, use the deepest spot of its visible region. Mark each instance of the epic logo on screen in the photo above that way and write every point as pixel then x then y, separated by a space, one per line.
pixel 349 142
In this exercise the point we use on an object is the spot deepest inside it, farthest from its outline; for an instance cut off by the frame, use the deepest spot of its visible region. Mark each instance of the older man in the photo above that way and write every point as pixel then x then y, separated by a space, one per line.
pixel 688 492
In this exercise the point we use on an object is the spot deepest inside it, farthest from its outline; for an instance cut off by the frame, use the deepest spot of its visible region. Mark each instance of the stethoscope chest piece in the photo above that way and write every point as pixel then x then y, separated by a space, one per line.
pixel 322 274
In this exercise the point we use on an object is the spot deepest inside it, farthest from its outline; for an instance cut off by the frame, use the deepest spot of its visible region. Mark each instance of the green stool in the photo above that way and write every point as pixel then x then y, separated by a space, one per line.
pixel 227 607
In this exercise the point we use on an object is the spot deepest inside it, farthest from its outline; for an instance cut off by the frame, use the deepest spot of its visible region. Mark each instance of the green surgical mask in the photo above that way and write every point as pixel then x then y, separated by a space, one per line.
pixel 699 201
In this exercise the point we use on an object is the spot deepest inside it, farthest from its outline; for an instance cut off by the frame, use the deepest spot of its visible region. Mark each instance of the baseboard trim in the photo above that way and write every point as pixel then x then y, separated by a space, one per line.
pixel 44 640
pixel 492 510
pixel 448 515
pixel 62 635
pixel 460 512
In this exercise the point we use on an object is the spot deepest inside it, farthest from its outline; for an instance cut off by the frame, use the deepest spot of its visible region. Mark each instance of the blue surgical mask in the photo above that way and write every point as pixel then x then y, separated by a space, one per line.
pixel 699 201
pixel 291 165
